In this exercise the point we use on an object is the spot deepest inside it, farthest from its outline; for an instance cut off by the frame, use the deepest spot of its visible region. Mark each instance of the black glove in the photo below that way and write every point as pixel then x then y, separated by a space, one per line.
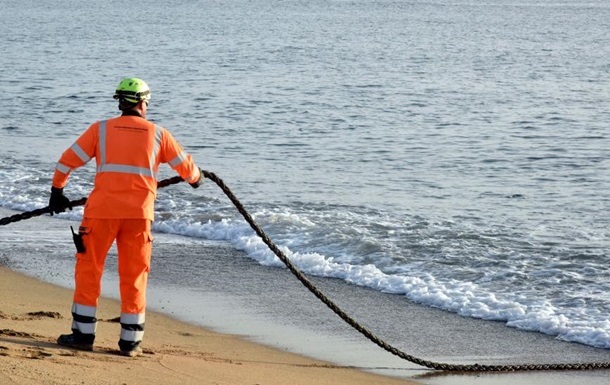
pixel 58 201
pixel 199 181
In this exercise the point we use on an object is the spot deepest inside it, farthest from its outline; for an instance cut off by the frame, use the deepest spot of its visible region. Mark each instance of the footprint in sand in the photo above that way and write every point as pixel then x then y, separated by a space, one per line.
pixel 33 315
pixel 14 333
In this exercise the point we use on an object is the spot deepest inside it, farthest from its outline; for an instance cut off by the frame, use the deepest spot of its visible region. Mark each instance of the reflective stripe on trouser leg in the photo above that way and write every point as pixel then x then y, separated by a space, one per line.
pixel 132 330
pixel 84 322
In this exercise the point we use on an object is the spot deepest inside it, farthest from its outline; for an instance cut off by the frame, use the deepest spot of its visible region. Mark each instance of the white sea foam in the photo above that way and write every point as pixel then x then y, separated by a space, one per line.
pixel 533 313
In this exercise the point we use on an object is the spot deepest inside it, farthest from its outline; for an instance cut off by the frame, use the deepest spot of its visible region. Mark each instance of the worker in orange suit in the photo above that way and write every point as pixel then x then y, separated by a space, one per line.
pixel 127 150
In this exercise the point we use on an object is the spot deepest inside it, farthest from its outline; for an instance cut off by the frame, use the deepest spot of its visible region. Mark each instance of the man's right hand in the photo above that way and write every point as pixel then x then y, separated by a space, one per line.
pixel 199 181
pixel 58 201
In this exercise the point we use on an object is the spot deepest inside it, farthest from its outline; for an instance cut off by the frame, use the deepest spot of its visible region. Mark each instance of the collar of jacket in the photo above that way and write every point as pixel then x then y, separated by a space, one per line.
pixel 133 112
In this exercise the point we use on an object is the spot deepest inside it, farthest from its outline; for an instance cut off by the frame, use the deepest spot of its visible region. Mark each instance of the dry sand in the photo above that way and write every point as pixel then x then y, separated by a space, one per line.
pixel 34 313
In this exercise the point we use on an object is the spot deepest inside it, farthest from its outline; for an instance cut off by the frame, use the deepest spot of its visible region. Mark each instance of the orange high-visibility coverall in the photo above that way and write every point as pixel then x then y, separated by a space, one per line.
pixel 128 151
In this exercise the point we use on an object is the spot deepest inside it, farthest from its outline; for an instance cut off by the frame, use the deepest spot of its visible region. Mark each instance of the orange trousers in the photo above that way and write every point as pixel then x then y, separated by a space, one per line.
pixel 134 244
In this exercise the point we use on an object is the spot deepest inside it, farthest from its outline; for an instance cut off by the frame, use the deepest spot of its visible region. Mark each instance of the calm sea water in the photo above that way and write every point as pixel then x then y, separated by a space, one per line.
pixel 454 152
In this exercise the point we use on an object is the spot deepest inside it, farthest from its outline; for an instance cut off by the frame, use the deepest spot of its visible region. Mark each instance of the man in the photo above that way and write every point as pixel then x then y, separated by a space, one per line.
pixel 128 150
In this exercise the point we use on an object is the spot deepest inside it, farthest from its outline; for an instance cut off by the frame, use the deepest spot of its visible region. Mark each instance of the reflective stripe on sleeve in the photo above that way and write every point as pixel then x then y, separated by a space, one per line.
pixel 82 155
pixel 62 168
pixel 177 160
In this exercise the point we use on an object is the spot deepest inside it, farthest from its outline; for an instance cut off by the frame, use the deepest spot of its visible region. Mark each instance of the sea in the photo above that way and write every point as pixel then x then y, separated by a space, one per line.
pixel 449 153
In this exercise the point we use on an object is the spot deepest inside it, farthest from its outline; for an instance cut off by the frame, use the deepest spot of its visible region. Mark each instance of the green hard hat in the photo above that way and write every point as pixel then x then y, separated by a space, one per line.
pixel 132 90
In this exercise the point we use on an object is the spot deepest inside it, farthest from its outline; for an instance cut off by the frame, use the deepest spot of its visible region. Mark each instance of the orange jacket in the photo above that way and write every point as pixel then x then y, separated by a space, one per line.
pixel 128 151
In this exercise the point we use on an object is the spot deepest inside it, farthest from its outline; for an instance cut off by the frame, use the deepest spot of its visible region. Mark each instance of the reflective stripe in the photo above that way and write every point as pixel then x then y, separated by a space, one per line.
pixel 85 327
pixel 84 311
pixel 80 153
pixel 158 137
pixel 125 169
pixel 87 311
pixel 177 160
pixel 133 319
pixel 63 168
pixel 102 135
pixel 132 335
pixel 132 326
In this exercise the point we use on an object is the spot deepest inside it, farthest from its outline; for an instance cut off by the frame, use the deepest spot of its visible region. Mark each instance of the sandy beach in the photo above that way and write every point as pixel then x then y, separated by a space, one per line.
pixel 34 313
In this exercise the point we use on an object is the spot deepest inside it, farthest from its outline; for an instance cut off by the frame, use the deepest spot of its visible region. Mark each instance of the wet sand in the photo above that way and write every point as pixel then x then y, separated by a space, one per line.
pixel 33 314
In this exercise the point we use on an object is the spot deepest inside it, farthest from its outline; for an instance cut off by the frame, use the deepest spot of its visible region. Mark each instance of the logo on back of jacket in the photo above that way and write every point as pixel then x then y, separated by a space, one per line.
pixel 132 129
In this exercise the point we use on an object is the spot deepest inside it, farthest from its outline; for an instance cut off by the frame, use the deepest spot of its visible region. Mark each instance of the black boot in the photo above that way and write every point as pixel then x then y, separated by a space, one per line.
pixel 130 348
pixel 76 340
pixel 135 352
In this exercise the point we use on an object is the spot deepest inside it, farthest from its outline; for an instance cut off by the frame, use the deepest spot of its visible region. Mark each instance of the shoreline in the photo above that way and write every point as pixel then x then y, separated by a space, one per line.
pixel 230 317
pixel 33 313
